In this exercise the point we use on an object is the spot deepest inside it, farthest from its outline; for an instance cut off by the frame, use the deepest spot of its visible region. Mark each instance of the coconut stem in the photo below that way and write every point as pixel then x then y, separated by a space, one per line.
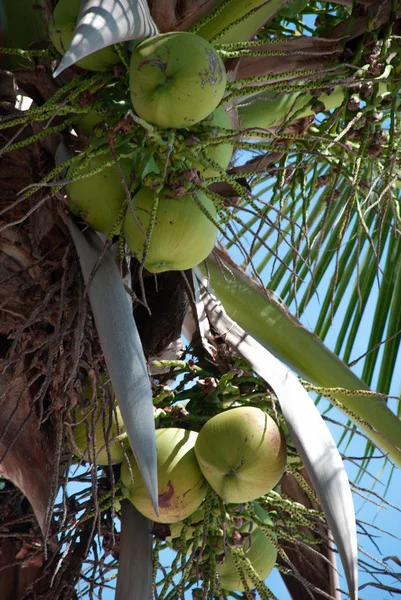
pixel 251 44
pixel 27 53
pixel 240 83
pixel 37 137
pixel 283 88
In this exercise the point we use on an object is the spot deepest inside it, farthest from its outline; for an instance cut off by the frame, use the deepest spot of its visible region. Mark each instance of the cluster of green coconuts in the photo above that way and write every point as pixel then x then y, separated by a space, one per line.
pixel 177 80
pixel 241 453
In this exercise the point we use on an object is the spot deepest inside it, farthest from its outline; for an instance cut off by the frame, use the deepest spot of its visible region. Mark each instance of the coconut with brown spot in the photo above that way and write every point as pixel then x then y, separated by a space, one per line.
pixel 181 484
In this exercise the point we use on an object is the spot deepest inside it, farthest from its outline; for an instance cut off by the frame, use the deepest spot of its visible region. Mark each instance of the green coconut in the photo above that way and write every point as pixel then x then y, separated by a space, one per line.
pixel 181 484
pixel 98 199
pixel 176 528
pixel 61 32
pixel 107 427
pixel 242 453
pixel 183 235
pixel 176 79
pixel 219 153
pixel 88 122
pixel 259 551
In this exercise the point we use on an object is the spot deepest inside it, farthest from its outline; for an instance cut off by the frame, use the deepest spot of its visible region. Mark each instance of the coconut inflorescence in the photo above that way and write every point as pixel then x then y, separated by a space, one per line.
pixel 181 484
pixel 110 106
pixel 193 521
pixel 176 79
pixel 258 549
pixel 246 551
pixel 242 453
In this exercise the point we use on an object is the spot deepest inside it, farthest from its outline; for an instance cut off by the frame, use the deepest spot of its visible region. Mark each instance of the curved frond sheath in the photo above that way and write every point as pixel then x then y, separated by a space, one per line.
pixel 122 350
pixel 102 23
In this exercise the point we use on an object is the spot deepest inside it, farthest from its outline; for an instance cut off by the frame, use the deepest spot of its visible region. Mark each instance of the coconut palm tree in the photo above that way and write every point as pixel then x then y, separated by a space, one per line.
pixel 306 214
